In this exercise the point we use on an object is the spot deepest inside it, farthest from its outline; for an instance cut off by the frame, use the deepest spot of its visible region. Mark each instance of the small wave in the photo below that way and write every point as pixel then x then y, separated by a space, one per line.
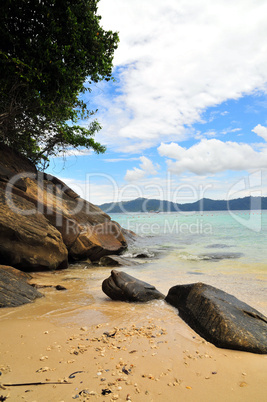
pixel 191 257
pixel 209 256
pixel 140 253
pixel 221 256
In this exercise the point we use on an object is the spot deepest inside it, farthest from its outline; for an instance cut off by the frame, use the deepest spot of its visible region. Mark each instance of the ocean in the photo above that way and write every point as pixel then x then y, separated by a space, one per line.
pixel 222 249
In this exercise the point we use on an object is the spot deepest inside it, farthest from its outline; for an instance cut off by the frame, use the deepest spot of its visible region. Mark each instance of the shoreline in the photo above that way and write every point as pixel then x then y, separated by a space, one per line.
pixel 149 354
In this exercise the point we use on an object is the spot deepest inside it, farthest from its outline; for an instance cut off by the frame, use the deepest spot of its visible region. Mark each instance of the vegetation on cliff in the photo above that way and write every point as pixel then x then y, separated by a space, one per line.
pixel 50 53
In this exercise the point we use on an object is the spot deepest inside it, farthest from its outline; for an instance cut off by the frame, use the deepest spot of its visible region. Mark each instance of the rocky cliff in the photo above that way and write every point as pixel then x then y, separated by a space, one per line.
pixel 44 224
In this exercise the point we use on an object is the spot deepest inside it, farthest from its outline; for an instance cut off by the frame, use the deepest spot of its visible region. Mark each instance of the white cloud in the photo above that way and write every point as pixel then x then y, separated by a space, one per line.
pixel 147 165
pixel 213 156
pixel 135 174
pixel 261 131
pixel 177 58
pixel 146 168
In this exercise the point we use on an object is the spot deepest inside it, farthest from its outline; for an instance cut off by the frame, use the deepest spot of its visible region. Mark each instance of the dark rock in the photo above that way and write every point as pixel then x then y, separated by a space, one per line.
pixel 57 287
pixel 7 174
pixel 14 289
pixel 19 274
pixel 220 318
pixel 116 261
pixel 121 286
pixel 143 255
pixel 60 287
pixel 15 161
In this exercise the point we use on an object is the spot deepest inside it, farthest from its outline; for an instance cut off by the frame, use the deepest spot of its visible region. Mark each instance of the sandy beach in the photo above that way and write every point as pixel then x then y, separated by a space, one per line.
pixel 133 138
pixel 149 356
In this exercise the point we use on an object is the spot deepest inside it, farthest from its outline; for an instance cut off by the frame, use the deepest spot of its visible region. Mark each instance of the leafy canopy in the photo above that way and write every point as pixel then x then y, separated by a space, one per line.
pixel 50 53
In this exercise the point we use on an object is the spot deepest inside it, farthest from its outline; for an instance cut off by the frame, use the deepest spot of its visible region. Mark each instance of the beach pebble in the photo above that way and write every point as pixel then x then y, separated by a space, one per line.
pixel 43 358
pixel 43 369
pixel 84 328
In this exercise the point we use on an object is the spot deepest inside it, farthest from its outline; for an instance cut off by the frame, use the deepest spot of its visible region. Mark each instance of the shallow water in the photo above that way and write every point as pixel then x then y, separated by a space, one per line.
pixel 213 248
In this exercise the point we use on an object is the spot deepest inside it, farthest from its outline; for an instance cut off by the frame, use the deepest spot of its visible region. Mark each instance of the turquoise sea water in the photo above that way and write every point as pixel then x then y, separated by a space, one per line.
pixel 199 235
pixel 226 250
pixel 223 250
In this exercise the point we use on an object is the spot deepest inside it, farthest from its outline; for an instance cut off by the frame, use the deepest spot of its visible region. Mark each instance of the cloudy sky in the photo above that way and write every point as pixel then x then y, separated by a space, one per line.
pixel 186 117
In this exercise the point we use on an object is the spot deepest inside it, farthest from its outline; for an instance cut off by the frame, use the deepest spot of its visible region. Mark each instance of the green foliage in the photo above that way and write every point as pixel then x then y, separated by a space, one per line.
pixel 50 53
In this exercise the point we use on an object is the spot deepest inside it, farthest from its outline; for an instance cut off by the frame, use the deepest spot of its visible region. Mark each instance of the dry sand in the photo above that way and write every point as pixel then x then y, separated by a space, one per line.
pixel 152 360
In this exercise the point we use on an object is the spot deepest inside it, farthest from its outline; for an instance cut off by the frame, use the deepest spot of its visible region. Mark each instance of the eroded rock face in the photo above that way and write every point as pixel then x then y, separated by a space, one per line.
pixel 97 241
pixel 220 318
pixel 55 224
pixel 14 289
pixel 29 242
pixel 124 287
pixel 64 209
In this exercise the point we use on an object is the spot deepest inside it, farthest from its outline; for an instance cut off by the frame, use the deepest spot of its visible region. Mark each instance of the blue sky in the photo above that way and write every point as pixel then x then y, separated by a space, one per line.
pixel 186 117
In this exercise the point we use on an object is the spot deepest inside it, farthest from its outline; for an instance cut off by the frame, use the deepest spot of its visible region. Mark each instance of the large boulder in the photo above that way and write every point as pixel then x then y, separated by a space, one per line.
pixel 14 289
pixel 124 287
pixel 28 241
pixel 86 230
pixel 97 241
pixel 69 213
pixel 220 318
pixel 44 223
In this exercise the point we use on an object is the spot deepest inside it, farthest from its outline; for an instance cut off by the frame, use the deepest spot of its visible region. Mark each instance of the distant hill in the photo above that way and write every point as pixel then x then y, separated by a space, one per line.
pixel 205 204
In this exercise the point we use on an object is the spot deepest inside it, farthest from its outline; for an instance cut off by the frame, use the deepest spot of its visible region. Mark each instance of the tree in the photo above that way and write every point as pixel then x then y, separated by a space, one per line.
pixel 51 51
